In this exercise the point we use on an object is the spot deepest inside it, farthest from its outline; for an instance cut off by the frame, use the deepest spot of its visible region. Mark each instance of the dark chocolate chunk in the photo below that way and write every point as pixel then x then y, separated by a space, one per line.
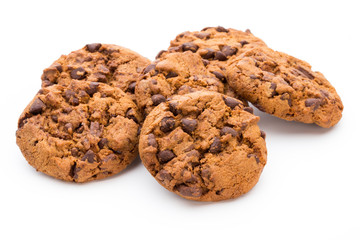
pixel 190 47
pixel 93 47
pixel 167 124
pixel 273 87
pixel 189 125
pixel 205 62
pixel 93 87
pixel 202 35
pixel 130 114
pixel 221 29
pixel 89 156
pixel 229 51
pixel 220 56
pixel 262 134
pixel 165 175
pixel 249 109
pixel 210 53
pixel 78 73
pixel 165 156
pixel 159 54
pixel 306 73
pixel 313 102
pixel 231 102
pixel 54 118
pixel 252 76
pixel 228 130
pixel 149 68
pixel 190 191
pixel 75 152
pixel 131 87
pixel 102 143
pixel 171 75
pixel 37 107
pixel 244 42
pixel 173 108
pixel 157 99
pixel 215 146
pixel 286 96
pixel 68 127
pixel 152 140
pixel 219 76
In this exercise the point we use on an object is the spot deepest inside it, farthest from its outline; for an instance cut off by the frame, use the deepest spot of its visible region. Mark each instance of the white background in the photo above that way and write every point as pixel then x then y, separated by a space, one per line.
pixel 310 188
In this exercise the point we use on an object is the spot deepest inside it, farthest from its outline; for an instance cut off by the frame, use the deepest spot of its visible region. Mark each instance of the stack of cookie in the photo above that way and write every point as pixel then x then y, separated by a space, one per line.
pixel 199 138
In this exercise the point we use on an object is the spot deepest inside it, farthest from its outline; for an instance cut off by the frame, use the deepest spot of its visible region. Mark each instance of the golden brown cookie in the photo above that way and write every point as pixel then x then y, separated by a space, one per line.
pixel 81 132
pixel 203 146
pixel 285 87
pixel 176 73
pixel 106 63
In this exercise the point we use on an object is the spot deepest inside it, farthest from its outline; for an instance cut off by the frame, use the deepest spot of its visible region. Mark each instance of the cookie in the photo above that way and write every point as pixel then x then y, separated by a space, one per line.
pixel 285 86
pixel 80 132
pixel 106 63
pixel 175 73
pixel 203 146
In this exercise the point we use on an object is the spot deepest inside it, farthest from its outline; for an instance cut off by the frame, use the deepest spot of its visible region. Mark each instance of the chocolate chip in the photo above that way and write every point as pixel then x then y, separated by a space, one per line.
pixel 273 87
pixel 306 73
pixel 167 124
pixel 202 35
pixel 262 134
pixel 79 129
pixel 221 29
pixel 89 156
pixel 231 102
pixel 190 47
pixel 252 76
pixel 205 62
pixel 219 76
pixel 130 114
pixel 75 152
pixel 165 156
pixel 189 125
pixel 102 143
pixel 58 67
pixel 215 147
pixel 190 191
pixel 243 42
pixel 93 87
pixel 173 108
pixel 95 129
pixel 171 75
pixel 206 28
pixel 93 47
pixel 313 102
pixel 152 140
pixel 286 96
pixel 247 31
pixel 228 130
pixel 254 155
pixel 78 73
pixel 210 53
pixel 229 51
pixel 159 54
pixel 131 87
pixel 149 68
pixel 220 56
pixel 37 107
pixel 165 175
pixel 68 127
pixel 54 118
pixel 157 99
pixel 249 109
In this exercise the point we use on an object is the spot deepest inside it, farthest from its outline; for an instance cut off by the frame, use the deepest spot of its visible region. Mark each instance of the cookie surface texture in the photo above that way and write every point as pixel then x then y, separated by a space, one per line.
pixel 203 146
pixel 285 86
pixel 106 63
pixel 81 132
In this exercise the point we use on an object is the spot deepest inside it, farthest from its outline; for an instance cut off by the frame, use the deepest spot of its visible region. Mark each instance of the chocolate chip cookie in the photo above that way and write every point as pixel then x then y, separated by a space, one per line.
pixel 285 86
pixel 106 63
pixel 176 73
pixel 203 146
pixel 79 132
